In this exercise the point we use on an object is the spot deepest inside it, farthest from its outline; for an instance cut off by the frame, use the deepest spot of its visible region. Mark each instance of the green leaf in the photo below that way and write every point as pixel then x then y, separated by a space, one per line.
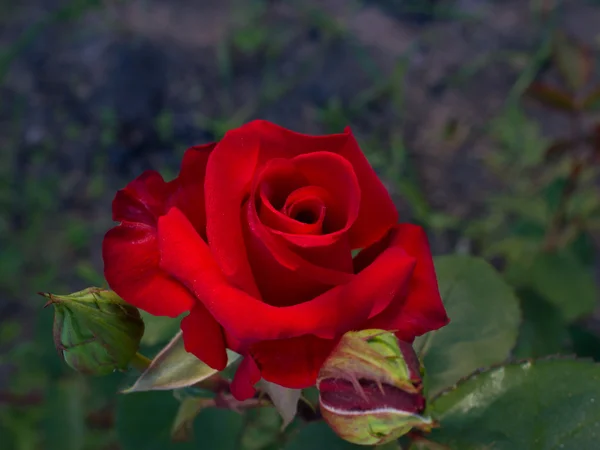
pixel 318 436
pixel 284 399
pixel 550 404
pixel 585 343
pixel 189 408
pixel 263 430
pixel 543 331
pixel 64 421
pixel 174 368
pixel 144 420
pixel 218 429
pixel 564 281
pixel 484 321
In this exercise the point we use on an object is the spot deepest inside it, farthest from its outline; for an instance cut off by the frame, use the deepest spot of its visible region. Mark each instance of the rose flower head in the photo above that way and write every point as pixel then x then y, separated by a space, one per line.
pixel 255 238
pixel 370 388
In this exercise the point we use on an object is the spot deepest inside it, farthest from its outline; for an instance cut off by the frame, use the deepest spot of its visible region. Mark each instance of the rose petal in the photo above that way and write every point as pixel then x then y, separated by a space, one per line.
pixel 229 172
pixel 335 176
pixel 281 221
pixel 287 284
pixel 291 268
pixel 277 180
pixel 203 337
pixel 342 308
pixel 143 200
pixel 189 193
pixel 246 376
pixel 420 309
pixel 292 363
pixel 377 211
pixel 130 250
pixel 131 258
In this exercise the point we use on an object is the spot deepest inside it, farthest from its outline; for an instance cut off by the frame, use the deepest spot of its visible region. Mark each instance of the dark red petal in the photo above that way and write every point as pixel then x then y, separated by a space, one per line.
pixel 282 276
pixel 246 376
pixel 189 193
pixel 343 395
pixel 420 309
pixel 130 253
pixel 303 200
pixel 193 165
pixel 336 176
pixel 276 181
pixel 142 200
pixel 203 337
pixel 340 309
pixel 229 173
pixel 292 363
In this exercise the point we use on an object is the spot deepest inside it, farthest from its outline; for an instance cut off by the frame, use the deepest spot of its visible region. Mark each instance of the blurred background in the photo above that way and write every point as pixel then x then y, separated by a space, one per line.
pixel 481 116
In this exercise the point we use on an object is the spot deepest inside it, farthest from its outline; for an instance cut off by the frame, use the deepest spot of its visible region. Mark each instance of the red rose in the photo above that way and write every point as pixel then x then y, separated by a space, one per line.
pixel 255 239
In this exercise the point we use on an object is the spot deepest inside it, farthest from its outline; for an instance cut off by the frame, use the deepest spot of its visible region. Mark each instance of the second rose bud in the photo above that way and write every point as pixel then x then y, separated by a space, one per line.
pixel 370 388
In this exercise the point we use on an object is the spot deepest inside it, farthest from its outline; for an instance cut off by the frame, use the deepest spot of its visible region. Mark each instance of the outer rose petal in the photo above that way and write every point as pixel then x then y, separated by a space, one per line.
pixel 246 376
pixel 342 308
pixel 421 309
pixel 293 363
pixel 189 196
pixel 203 337
pixel 131 258
pixel 130 250
pixel 142 200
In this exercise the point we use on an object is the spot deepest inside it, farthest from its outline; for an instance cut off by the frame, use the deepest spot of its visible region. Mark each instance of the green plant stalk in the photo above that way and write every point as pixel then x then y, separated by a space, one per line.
pixel 140 362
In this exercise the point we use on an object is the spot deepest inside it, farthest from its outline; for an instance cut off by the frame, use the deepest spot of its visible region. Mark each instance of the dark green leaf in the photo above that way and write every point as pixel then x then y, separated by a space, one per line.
pixel 553 193
pixel 561 279
pixel 551 404
pixel 218 429
pixel 6 433
pixel 583 249
pixel 144 421
pixel 263 430
pixel 543 331
pixel 189 409
pixel 65 415
pixel 484 321
pixel 551 97
pixel 318 436
pixel 585 343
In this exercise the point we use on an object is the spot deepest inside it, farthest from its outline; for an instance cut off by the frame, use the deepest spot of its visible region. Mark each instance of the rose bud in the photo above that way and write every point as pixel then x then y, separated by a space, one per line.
pixel 95 331
pixel 370 388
